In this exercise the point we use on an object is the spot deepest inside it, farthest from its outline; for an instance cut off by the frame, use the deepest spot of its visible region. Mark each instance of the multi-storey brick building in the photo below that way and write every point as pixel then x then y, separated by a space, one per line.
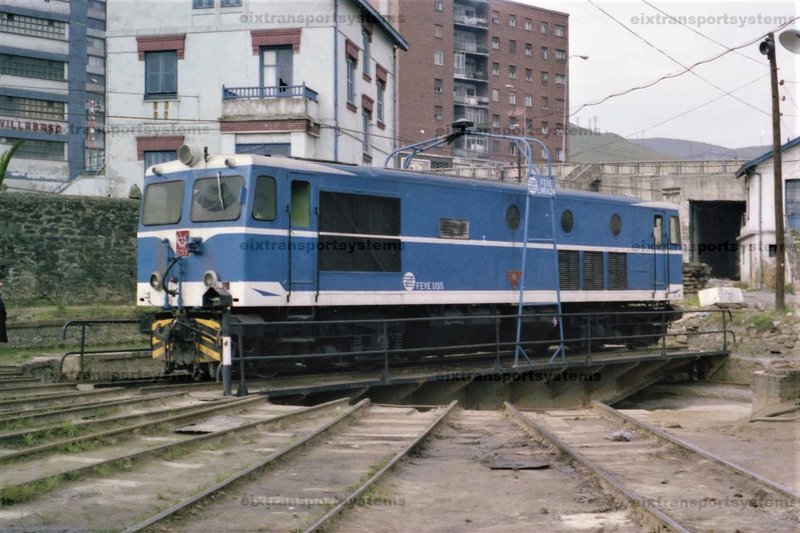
pixel 500 64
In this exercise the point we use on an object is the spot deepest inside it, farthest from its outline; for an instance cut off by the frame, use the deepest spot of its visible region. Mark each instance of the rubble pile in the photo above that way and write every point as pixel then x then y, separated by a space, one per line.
pixel 695 277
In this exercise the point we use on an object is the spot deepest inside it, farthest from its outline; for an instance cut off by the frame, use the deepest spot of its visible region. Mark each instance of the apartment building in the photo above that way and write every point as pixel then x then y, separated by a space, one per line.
pixel 313 79
pixel 52 90
pixel 500 64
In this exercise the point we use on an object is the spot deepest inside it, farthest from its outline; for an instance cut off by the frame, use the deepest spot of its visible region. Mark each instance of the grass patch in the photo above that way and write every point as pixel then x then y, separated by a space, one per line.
pixel 174 452
pixel 761 322
pixel 22 493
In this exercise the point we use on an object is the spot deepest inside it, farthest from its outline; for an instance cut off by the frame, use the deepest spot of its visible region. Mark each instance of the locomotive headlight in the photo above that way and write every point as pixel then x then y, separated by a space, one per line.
pixel 210 279
pixel 155 280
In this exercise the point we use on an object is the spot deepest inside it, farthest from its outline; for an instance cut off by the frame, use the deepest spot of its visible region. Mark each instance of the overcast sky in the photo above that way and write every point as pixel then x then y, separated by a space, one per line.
pixel 618 61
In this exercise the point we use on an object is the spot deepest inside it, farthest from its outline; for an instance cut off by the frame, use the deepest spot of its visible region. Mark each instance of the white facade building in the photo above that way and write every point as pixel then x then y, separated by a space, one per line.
pixel 312 79
pixel 757 236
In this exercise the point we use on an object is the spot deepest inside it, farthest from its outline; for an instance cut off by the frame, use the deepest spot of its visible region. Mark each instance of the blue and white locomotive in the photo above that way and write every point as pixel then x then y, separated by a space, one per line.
pixel 278 239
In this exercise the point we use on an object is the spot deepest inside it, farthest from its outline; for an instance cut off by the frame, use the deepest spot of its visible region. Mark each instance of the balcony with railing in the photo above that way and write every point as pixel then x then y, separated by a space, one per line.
pixel 471 22
pixel 269 103
pixel 466 73
pixel 472 101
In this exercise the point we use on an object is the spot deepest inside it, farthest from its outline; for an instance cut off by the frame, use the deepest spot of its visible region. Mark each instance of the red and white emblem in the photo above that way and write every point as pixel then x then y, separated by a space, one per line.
pixel 182 243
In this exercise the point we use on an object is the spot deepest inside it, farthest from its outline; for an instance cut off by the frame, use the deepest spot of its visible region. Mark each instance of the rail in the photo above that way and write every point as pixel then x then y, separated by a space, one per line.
pixel 82 324
pixel 596 337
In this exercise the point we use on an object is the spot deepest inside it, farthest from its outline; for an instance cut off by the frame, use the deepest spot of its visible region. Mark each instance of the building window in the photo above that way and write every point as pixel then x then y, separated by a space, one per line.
pixel 381 101
pixel 513 122
pixel 528 74
pixel 512 21
pixel 30 67
pixel 512 72
pixel 559 104
pixel 561 55
pixel 161 74
pixel 561 79
pixel 528 49
pixel 528 100
pixel 438 112
pixel 512 97
pixel 351 81
pixel 544 127
pixel 366 143
pixel 544 52
pixel 231 3
pixel 438 31
pixel 496 146
pixel 495 69
pixel 366 38
pixel 545 77
pixel 495 43
pixel 96 42
pixel 154 157
pixel 33 26
pixel 512 46
pixel 495 121
pixel 438 57
pixel 277 66
pixel 560 154
pixel 512 149
pixel 13 106
pixel 559 31
pixel 495 17
pixel 33 149
pixel 559 129
pixel 270 149
pixel 543 28
pixel 437 5
pixel 437 86
pixel 495 95
pixel 202 4
pixel 528 25
pixel 96 62
pixel 545 103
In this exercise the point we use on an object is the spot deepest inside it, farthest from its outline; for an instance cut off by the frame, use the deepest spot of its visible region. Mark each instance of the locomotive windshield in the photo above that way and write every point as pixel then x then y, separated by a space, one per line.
pixel 162 203
pixel 216 199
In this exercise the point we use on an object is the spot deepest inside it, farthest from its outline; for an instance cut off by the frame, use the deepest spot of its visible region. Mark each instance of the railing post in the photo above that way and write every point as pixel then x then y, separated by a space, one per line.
pixel 242 390
pixel 589 335
pixel 83 348
pixel 226 354
pixel 385 353
pixel 724 332
pixel 497 342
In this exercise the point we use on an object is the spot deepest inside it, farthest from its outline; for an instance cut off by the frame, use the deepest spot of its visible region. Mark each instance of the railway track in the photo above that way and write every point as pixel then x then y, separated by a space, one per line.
pixel 669 484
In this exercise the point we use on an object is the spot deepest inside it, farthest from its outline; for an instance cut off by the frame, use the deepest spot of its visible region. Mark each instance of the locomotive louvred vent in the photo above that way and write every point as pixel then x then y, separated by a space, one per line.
pixel 569 271
pixel 453 228
pixel 617 271
pixel 593 271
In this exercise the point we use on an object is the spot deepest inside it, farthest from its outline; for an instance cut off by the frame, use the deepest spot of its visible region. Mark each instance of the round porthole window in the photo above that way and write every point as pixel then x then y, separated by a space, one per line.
pixel 615 224
pixel 567 221
pixel 512 217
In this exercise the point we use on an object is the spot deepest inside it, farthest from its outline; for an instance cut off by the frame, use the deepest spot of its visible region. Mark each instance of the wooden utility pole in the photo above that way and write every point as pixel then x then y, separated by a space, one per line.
pixel 767 48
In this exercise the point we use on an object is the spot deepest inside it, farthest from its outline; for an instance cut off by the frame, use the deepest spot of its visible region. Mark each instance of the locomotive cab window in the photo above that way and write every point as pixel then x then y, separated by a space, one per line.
pixel 674 230
pixel 162 203
pixel 264 203
pixel 658 230
pixel 217 199
pixel 301 204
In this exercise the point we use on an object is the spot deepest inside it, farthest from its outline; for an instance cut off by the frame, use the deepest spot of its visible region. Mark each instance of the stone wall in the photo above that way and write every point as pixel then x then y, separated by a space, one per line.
pixel 68 249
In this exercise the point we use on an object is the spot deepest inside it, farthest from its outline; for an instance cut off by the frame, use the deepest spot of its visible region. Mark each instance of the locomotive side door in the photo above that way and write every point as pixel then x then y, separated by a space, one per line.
pixel 660 253
pixel 301 247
